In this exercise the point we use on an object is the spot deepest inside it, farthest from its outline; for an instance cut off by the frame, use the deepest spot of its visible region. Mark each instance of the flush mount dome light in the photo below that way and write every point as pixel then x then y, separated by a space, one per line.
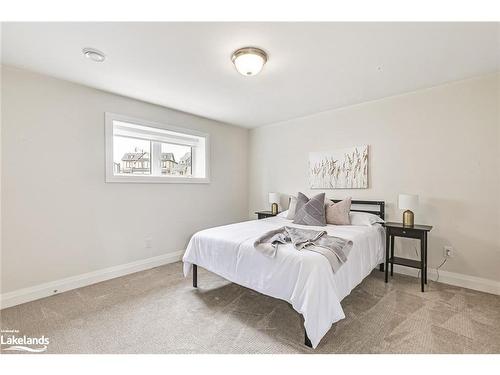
pixel 249 61
pixel 94 54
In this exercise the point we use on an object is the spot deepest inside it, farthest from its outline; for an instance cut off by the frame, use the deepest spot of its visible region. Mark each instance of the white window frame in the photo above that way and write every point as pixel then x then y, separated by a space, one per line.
pixel 161 179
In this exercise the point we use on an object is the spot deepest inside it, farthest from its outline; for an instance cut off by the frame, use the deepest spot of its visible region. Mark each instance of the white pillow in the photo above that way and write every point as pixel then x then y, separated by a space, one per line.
pixel 283 214
pixel 364 218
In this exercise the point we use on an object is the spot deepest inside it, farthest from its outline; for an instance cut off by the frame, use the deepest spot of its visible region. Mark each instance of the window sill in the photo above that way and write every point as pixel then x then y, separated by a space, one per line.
pixel 156 180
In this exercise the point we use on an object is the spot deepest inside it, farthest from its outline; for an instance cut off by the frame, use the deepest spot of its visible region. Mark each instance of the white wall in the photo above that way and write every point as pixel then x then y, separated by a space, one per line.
pixel 442 143
pixel 59 217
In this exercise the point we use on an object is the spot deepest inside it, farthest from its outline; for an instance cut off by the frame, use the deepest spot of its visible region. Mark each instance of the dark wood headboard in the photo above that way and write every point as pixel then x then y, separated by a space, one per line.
pixel 379 207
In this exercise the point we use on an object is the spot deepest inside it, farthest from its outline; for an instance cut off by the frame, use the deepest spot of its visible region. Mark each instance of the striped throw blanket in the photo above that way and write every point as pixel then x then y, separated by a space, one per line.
pixel 334 249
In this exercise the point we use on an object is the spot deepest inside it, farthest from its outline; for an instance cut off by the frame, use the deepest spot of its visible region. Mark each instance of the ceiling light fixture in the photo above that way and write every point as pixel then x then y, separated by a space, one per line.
pixel 249 61
pixel 94 54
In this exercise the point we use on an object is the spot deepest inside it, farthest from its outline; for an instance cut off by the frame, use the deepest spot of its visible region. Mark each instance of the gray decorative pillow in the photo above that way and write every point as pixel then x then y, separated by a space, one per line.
pixel 310 211
pixel 338 213
pixel 292 208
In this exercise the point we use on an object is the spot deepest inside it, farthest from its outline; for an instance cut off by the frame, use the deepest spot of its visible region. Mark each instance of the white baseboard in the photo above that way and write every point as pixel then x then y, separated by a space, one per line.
pixel 20 296
pixel 456 279
pixel 63 285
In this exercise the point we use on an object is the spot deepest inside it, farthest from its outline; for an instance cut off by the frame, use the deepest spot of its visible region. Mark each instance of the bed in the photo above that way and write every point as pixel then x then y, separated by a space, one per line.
pixel 304 279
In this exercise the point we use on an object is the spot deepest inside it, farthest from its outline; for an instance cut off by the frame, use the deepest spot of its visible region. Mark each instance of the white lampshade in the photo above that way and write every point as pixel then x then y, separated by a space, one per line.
pixel 408 202
pixel 274 197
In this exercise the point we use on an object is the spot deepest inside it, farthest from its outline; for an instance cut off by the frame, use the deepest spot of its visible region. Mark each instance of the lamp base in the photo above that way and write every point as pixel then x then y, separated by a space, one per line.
pixel 274 208
pixel 408 218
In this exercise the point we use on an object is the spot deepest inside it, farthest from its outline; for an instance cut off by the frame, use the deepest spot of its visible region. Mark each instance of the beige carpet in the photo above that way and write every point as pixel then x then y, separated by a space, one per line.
pixel 158 311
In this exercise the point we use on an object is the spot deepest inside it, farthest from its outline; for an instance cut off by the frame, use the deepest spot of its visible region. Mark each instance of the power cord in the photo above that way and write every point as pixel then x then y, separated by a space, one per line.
pixel 437 268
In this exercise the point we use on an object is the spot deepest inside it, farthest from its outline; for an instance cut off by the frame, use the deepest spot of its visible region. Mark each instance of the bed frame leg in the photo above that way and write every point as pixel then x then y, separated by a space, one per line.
pixel 307 342
pixel 195 276
pixel 381 267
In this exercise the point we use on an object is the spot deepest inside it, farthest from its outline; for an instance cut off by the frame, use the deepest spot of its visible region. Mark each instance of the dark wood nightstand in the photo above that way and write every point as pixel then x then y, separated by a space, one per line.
pixel 264 214
pixel 418 232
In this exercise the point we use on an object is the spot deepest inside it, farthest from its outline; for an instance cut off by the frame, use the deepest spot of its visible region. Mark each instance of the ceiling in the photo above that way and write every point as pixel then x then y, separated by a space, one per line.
pixel 312 67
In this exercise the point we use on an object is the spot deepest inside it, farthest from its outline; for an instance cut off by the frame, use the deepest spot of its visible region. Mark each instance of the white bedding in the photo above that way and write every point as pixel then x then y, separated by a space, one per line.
pixel 305 279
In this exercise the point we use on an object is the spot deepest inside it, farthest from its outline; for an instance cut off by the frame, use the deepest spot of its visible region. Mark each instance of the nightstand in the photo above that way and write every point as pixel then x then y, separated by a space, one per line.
pixel 418 232
pixel 264 214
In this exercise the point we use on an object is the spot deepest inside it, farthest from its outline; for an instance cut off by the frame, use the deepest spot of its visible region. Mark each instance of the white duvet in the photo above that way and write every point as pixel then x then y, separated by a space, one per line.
pixel 305 279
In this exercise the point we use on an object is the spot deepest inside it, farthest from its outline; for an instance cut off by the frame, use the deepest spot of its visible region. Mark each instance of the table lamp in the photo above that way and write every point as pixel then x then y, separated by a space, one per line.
pixel 409 203
pixel 274 199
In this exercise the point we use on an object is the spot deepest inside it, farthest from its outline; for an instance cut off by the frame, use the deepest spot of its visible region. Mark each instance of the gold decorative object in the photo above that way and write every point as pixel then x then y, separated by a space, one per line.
pixel 408 218
pixel 274 199
pixel 408 202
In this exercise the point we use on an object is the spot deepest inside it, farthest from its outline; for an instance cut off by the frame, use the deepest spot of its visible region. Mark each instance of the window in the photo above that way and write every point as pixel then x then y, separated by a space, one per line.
pixel 142 151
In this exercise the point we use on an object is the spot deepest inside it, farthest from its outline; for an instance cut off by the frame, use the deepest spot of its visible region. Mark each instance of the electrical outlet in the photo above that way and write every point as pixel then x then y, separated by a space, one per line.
pixel 149 243
pixel 449 252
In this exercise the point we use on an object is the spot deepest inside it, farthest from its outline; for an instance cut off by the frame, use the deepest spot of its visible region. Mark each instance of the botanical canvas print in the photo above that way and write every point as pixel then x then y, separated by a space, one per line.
pixel 341 169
